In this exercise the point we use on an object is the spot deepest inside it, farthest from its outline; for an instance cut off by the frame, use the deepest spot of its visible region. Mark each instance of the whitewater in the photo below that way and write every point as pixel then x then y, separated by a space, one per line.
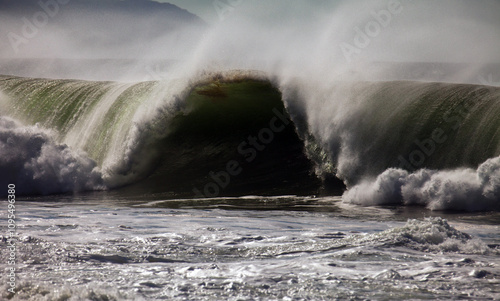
pixel 346 153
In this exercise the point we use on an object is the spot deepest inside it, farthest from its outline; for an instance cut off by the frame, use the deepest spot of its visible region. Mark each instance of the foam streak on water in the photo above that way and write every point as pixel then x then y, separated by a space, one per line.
pixel 170 250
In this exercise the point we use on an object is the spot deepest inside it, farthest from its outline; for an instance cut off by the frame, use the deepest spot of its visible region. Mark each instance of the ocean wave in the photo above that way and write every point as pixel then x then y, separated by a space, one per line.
pixel 373 136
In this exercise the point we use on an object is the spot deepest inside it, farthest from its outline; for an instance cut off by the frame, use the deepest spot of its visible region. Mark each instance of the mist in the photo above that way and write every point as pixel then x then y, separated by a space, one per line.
pixel 96 40
pixel 332 41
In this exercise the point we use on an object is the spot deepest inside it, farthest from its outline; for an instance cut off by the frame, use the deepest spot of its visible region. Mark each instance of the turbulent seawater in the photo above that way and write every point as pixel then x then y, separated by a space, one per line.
pixel 241 185
pixel 97 247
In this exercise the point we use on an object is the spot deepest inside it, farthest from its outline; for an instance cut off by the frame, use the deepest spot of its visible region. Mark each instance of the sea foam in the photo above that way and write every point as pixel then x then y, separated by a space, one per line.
pixel 31 158
pixel 459 189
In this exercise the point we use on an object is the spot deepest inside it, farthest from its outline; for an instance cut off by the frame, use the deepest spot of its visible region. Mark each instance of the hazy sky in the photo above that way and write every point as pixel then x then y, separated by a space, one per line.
pixel 207 9
pixel 423 30
pixel 203 9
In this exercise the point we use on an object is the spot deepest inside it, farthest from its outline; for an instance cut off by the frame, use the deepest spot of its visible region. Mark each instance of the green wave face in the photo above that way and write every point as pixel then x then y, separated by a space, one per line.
pixel 86 115
pixel 418 125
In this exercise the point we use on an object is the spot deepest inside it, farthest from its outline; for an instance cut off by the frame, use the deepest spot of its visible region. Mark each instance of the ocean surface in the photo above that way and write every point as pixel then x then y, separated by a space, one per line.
pixel 100 246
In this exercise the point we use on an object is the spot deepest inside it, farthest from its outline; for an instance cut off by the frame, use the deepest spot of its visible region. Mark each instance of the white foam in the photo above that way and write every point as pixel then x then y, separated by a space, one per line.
pixel 459 189
pixel 31 159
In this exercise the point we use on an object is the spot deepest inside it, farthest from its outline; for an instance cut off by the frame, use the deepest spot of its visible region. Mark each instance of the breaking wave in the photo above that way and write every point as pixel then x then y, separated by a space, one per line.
pixel 411 143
